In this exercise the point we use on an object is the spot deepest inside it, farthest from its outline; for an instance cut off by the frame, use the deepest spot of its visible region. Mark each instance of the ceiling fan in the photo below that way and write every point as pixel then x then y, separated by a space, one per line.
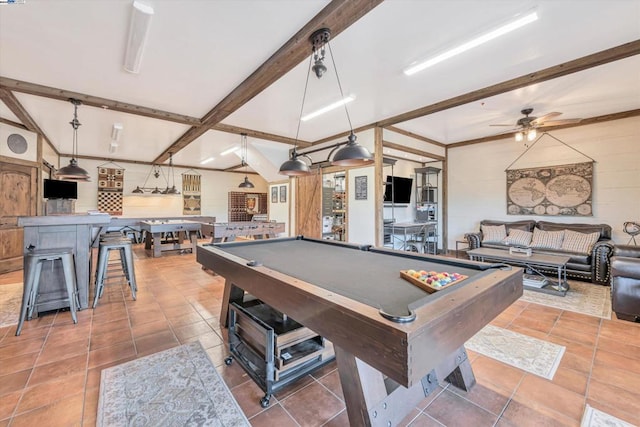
pixel 526 126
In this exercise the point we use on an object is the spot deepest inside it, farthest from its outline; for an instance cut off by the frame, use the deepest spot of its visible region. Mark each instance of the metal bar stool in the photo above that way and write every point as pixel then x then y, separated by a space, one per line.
pixel 123 246
pixel 33 261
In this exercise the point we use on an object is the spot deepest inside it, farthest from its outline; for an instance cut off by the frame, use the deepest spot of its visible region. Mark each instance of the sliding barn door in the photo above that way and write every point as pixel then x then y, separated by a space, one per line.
pixel 309 204
pixel 18 190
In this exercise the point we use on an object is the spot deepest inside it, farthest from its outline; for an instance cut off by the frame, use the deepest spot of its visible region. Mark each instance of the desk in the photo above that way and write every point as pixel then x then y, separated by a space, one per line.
pixel 155 229
pixel 414 236
pixel 228 231
pixel 380 325
pixel 57 231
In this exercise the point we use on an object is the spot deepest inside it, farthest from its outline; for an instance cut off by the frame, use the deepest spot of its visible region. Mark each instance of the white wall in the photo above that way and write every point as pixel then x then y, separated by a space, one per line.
pixel 279 211
pixel 214 191
pixel 31 152
pixel 477 178
pixel 361 227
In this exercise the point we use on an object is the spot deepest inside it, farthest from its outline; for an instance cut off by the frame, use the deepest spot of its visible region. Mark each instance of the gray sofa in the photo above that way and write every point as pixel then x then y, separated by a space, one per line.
pixel 593 267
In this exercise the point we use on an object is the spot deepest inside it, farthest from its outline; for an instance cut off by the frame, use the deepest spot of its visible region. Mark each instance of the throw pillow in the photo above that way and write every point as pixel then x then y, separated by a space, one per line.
pixel 493 233
pixel 579 242
pixel 547 239
pixel 518 237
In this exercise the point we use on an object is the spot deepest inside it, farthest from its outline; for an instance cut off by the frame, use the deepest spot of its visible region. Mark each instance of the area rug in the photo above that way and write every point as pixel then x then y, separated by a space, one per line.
pixel 595 418
pixel 10 301
pixel 585 298
pixel 521 351
pixel 176 387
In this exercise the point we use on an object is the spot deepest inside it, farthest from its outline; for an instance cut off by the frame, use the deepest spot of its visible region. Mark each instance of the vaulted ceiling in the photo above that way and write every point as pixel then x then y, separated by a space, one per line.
pixel 213 69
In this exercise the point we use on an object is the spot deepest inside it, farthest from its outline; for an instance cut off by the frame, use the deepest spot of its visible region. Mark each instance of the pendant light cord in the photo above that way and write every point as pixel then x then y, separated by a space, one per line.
pixel 304 96
pixel 75 124
pixel 340 87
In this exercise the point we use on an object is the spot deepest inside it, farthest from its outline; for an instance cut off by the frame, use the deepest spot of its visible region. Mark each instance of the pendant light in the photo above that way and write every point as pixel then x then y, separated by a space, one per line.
pixel 246 183
pixel 73 172
pixel 352 154
pixel 172 175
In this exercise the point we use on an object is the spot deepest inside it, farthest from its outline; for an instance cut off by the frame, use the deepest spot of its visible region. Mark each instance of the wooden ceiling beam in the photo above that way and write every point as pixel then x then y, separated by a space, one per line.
pixel 337 16
pixel 411 150
pixel 260 135
pixel 22 114
pixel 603 57
pixel 12 123
pixel 95 101
pixel 415 136
pixel 583 122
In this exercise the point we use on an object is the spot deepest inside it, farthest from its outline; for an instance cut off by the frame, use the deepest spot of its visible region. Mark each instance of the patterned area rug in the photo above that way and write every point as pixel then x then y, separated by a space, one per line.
pixel 176 387
pixel 594 418
pixel 585 298
pixel 521 351
pixel 10 301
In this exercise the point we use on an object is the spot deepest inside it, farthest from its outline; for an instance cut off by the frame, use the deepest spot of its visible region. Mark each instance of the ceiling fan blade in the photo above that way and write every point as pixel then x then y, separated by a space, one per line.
pixel 542 119
pixel 559 122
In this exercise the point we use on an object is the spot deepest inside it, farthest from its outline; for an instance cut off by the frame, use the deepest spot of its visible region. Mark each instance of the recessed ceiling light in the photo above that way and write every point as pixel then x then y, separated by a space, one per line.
pixel 207 160
pixel 519 21
pixel 229 150
pixel 328 108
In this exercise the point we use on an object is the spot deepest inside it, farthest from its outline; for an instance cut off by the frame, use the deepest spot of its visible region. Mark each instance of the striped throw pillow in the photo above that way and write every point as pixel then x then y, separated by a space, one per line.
pixel 493 233
pixel 547 239
pixel 579 242
pixel 518 237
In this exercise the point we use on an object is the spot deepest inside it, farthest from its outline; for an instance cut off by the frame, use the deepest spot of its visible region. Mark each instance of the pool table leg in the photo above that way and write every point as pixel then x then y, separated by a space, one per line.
pixel 231 293
pixel 372 400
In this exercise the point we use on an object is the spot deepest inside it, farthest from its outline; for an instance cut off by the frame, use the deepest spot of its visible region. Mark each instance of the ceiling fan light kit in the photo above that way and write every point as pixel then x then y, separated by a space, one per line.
pixel 352 154
pixel 526 127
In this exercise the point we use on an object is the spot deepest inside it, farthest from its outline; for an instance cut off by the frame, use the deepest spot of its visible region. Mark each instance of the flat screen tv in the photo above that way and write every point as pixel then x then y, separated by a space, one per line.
pixel 57 189
pixel 400 191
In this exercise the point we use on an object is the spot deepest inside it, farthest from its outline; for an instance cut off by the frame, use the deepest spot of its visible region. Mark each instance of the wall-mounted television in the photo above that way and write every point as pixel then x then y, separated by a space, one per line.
pixel 398 190
pixel 57 189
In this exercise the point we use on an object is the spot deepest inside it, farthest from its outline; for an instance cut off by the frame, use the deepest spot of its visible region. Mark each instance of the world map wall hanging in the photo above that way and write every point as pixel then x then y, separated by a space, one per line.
pixel 564 190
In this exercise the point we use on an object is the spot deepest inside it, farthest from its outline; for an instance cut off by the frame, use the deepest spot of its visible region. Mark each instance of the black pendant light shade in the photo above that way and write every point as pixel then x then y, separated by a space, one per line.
pixel 294 166
pixel 138 190
pixel 352 154
pixel 73 172
pixel 246 183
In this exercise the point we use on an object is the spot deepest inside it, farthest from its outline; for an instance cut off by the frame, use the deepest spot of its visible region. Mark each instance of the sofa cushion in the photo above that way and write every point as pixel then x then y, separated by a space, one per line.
pixel 493 233
pixel 525 225
pixel 518 237
pixel 603 229
pixel 579 242
pixel 547 239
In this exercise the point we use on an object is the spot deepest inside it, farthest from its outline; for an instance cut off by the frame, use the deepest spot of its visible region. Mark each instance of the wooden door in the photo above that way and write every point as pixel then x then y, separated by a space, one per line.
pixel 18 190
pixel 309 204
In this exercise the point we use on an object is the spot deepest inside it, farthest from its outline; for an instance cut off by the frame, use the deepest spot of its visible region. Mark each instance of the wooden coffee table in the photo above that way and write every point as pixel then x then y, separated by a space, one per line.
pixel 532 263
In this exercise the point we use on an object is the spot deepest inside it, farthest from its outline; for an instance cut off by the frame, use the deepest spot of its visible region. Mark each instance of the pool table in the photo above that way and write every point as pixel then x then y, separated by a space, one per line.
pixel 393 341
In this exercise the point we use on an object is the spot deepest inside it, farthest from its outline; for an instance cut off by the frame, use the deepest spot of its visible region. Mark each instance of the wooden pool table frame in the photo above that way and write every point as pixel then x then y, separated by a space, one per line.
pixel 385 367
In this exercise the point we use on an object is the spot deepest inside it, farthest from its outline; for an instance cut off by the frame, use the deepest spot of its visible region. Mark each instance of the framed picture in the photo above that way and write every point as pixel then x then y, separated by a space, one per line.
pixel 274 194
pixel 283 194
pixel 253 204
pixel 361 188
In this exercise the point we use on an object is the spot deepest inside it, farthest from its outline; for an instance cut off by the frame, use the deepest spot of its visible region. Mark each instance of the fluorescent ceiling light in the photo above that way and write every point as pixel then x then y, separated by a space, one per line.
pixel 229 150
pixel 500 31
pixel 207 160
pixel 138 32
pixel 328 108
pixel 115 131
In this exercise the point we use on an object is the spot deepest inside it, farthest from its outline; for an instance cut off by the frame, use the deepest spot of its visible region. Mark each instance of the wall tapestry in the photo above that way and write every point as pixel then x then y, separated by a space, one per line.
pixel 191 194
pixel 110 186
pixel 564 190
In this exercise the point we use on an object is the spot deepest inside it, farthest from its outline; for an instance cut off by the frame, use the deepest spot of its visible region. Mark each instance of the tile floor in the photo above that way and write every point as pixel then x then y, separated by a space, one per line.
pixel 50 375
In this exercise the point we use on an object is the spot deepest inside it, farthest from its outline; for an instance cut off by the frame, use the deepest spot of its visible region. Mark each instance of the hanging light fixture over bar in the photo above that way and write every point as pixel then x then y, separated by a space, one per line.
pixel 246 183
pixel 73 172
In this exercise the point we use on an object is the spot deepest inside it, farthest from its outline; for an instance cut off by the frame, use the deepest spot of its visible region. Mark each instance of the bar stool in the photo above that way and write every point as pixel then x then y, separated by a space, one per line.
pixel 33 267
pixel 123 246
